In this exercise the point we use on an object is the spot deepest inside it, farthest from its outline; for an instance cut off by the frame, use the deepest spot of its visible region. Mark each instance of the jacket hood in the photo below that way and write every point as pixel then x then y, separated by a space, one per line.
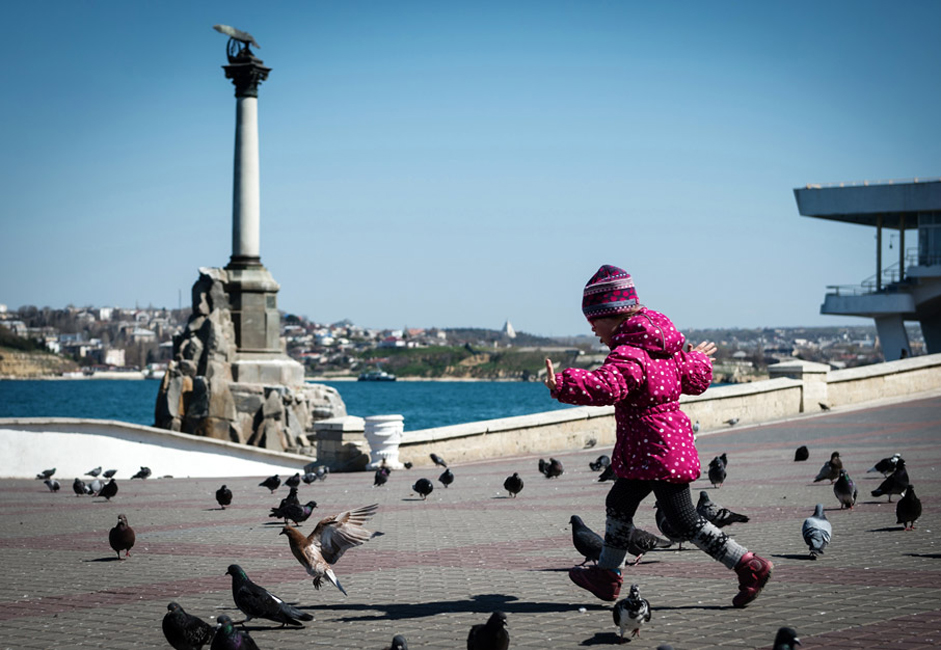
pixel 650 331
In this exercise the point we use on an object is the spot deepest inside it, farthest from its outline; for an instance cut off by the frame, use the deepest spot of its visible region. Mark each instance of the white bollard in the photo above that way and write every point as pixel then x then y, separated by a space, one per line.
pixel 384 435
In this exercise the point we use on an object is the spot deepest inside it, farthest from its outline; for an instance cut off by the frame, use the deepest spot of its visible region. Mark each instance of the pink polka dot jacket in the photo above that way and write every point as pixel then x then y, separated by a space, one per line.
pixel 643 377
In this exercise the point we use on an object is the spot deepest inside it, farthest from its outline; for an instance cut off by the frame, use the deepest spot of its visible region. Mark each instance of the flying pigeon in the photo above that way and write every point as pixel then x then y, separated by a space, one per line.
pixel 831 469
pixel 52 484
pixel 607 474
pixel 424 487
pixel 437 460
pixel 668 531
pixel 330 539
pixel 228 638
pixel 293 481
pixel 109 473
pixel 272 483
pixel 908 509
pixel 236 34
pixel 717 471
pixel 398 643
pixel 552 469
pixel 446 478
pixel 631 613
pixel 513 484
pixel 491 635
pixel 640 541
pixel 786 639
pixel 732 422
pixel 801 454
pixel 257 602
pixel 309 478
pixel 224 496
pixel 143 473
pixel 895 483
pixel 380 477
pixel 78 486
pixel 720 517
pixel 845 490
pixel 885 466
pixel 122 537
pixel 600 463
pixel 816 532
pixel 95 472
pixel 587 542
pixel 46 473
pixel 185 631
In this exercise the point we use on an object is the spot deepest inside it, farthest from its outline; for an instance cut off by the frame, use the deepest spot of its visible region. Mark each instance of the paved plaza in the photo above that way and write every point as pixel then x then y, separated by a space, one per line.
pixel 446 563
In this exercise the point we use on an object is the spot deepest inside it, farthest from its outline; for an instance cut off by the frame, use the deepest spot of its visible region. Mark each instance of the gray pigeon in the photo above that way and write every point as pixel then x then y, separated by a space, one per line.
pixel 631 613
pixel 587 542
pixel 845 490
pixel 641 541
pixel 831 469
pixel 52 484
pixel 446 478
pixel 816 532
pixel 885 466
pixel 600 463
pixel 257 602
pixel 109 473
pixel 895 483
pixel 185 631
pixel 143 473
pixel 720 517
pixel 717 471
pixel 94 487
pixel 95 472
pixel 786 639
pixel 78 486
pixel 732 422
pixel 491 635
pixel 668 531
pixel 437 460
pixel 46 473
pixel 908 509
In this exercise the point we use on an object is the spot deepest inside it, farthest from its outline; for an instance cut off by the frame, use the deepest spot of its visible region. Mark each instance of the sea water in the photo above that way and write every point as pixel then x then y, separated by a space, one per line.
pixel 424 404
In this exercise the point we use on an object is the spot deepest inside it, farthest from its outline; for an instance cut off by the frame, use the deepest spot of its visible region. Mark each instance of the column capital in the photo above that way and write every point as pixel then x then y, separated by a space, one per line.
pixel 246 72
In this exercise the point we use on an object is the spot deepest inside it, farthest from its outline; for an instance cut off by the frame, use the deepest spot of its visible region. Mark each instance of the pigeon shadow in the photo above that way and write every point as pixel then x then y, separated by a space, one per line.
pixel 413 499
pixel 480 604
pixel 267 628
pixel 793 556
pixel 558 570
pixel 887 529
pixel 875 503
pixel 603 638
pixel 715 607
pixel 105 559
pixel 933 556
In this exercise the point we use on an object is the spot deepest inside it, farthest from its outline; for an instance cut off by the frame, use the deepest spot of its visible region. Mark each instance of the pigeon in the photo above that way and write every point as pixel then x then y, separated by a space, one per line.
pixel 732 422
pixel 908 509
pixel 109 490
pixel 322 472
pixel 632 612
pixel 185 631
pixel 668 531
pixel 309 478
pixel 786 639
pixel 236 34
pixel 845 490
pixel 591 442
pixel 513 484
pixel 437 460
pixel 641 541
pixel 398 643
pixel 586 541
pixel 143 473
pixel 224 496
pixel 816 532
pixel 294 481
pixel 380 477
pixel 94 472
pixel 109 473
pixel 491 635
pixel 257 602
pixel 298 513
pixel 696 427
pixel 831 468
pixel 885 466
pixel 290 499
pixel 330 539
pixel 823 407
pixel 228 638
pixel 78 486
pixel 552 469
pixel 52 484
pixel 600 463
pixel 122 537
pixel 720 517
pixel 801 454
pixel 895 483
pixel 94 487
pixel 46 473
pixel 272 483
pixel 408 464
pixel 446 478
pixel 717 472
pixel 607 474
pixel 424 487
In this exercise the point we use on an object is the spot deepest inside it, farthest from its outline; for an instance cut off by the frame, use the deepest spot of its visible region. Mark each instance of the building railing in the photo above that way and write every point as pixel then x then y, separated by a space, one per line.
pixel 819 186
pixel 891 279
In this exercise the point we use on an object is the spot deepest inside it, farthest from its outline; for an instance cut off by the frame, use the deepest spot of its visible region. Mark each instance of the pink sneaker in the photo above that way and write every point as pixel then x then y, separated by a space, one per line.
pixel 753 573
pixel 603 583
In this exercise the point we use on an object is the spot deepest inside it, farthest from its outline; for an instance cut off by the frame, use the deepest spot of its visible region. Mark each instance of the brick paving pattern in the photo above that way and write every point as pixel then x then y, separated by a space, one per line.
pixel 444 564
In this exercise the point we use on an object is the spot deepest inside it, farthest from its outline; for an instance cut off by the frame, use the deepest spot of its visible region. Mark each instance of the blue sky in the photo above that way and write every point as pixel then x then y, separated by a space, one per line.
pixel 457 164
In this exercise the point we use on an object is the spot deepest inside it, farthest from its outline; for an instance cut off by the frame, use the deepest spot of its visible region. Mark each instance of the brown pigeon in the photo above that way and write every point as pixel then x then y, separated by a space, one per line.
pixel 122 537
pixel 332 537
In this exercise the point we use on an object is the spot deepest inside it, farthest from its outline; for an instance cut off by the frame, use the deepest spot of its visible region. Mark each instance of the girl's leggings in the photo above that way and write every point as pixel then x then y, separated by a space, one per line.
pixel 675 501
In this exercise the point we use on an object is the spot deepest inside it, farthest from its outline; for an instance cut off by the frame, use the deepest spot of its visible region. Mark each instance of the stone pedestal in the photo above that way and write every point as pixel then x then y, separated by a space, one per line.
pixel 384 435
pixel 341 444
pixel 814 377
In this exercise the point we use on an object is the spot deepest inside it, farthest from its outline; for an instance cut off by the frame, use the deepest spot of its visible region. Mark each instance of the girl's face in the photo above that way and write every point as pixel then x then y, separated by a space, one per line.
pixel 604 328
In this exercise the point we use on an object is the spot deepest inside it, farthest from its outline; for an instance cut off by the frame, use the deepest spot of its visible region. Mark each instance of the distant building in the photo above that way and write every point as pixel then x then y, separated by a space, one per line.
pixel 508 330
pixel 114 357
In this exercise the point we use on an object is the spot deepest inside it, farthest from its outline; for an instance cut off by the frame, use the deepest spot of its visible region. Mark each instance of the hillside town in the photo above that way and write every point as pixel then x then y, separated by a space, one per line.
pixel 114 340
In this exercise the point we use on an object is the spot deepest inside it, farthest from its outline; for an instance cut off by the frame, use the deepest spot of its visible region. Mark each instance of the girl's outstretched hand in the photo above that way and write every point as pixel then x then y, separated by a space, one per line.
pixel 550 375
pixel 706 347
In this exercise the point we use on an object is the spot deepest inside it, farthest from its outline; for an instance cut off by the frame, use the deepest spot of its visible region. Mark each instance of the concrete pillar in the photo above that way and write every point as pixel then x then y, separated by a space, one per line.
pixel 246 202
pixel 892 336
pixel 814 377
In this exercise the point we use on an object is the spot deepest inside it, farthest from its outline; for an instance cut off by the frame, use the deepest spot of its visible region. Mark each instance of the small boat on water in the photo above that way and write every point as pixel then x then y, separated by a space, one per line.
pixel 376 375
